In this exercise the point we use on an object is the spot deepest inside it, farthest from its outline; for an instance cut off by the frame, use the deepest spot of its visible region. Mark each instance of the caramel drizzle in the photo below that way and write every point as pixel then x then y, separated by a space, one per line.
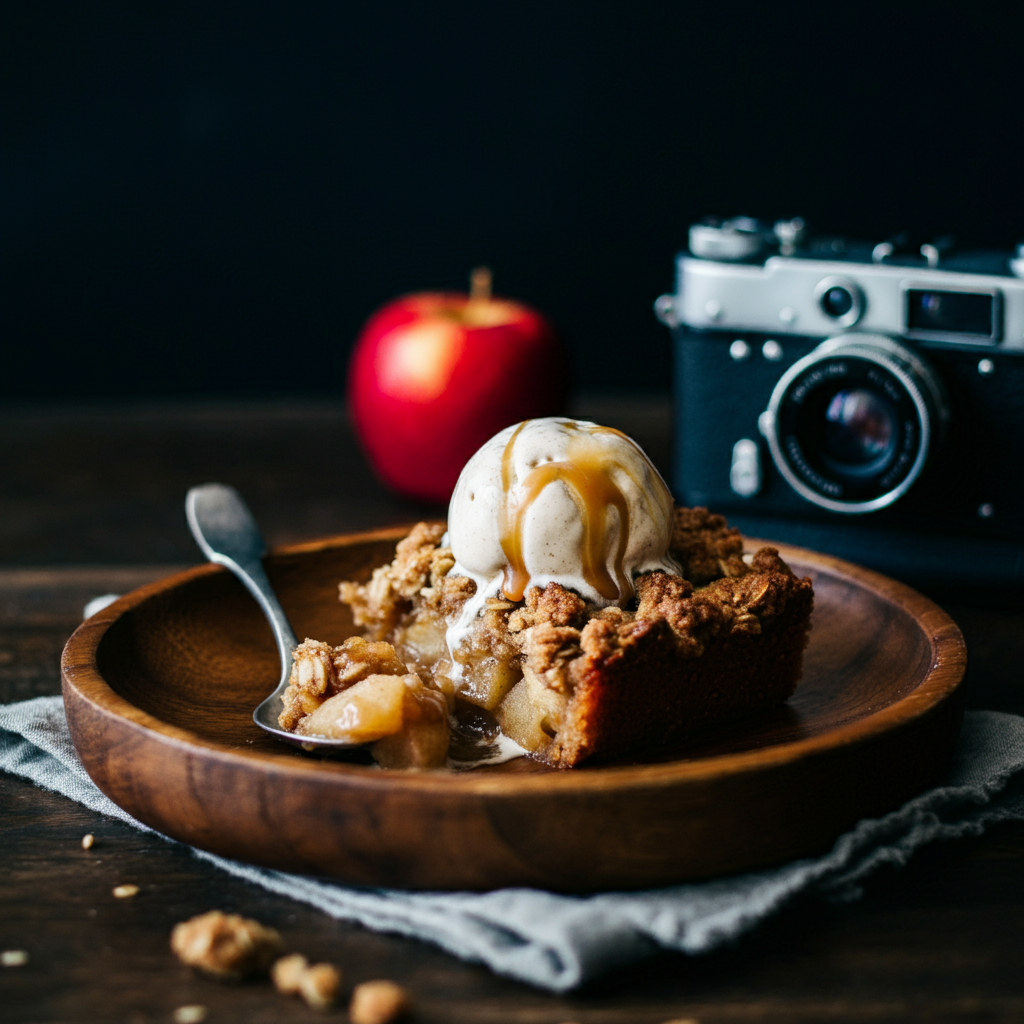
pixel 587 476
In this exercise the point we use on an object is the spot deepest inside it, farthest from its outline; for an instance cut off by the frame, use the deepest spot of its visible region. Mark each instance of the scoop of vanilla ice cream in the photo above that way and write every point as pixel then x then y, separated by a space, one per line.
pixel 564 501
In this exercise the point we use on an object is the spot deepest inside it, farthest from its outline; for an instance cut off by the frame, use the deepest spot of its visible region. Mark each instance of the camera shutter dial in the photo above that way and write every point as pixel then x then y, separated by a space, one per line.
pixel 840 300
pixel 850 425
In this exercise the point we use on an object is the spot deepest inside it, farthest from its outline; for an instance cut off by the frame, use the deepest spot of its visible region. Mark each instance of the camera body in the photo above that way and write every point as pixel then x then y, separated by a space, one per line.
pixel 860 399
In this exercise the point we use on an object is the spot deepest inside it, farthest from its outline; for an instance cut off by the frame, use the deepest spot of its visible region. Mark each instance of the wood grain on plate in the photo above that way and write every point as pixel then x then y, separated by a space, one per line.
pixel 160 686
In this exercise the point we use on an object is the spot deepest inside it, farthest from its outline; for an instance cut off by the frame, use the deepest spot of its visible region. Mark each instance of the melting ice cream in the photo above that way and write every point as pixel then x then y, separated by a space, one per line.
pixel 558 501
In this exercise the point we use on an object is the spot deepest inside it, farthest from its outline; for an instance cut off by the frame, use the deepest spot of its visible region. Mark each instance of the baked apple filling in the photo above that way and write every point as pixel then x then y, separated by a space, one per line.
pixel 361 692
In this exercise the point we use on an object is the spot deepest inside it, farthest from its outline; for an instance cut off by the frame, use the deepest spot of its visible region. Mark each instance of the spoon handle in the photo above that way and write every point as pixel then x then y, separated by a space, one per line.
pixel 227 533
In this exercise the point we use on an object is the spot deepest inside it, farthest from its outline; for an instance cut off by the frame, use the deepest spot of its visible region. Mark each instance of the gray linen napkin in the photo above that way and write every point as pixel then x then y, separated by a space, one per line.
pixel 558 942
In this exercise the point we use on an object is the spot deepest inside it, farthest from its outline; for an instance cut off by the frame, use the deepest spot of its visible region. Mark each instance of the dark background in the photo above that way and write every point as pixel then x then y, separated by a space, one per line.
pixel 207 198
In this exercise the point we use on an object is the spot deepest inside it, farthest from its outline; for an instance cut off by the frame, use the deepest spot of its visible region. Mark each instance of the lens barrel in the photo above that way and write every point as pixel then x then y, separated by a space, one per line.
pixel 850 426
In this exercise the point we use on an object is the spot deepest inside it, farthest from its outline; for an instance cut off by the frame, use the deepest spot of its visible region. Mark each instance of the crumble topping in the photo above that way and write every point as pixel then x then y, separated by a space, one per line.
pixel 554 605
pixel 705 546
pixel 378 605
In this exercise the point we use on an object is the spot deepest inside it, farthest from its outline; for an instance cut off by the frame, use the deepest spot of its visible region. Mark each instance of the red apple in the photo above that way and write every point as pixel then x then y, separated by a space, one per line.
pixel 435 374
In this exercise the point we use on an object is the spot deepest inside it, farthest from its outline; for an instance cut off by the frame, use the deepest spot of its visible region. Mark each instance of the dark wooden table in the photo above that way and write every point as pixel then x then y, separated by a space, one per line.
pixel 91 502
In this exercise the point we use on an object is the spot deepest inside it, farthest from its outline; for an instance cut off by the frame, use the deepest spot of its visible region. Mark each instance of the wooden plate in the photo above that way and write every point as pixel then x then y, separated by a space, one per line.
pixel 159 689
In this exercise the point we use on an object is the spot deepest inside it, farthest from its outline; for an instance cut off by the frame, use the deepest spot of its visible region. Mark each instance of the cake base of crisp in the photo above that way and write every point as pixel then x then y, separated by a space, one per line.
pixel 650 698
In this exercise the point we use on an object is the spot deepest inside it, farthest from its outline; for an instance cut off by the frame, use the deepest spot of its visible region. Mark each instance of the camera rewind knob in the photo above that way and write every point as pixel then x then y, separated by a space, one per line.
pixel 730 241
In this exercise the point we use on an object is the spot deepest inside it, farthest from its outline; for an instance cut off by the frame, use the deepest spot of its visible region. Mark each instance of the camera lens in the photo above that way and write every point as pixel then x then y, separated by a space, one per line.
pixel 858 429
pixel 851 425
pixel 840 300
pixel 836 302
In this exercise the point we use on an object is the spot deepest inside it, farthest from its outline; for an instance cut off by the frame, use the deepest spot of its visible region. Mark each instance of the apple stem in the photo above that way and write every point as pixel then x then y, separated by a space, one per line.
pixel 480 285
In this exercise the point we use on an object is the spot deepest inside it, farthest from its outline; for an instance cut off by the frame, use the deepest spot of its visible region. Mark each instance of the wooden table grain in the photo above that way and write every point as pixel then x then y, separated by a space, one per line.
pixel 90 503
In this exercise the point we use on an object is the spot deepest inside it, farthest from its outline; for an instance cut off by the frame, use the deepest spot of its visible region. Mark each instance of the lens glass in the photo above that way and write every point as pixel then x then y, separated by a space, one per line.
pixel 858 429
pixel 849 429
pixel 837 301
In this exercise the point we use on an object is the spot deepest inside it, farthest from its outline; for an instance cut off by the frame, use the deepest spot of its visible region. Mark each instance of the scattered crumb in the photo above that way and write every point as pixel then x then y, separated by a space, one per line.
pixel 318 985
pixel 123 892
pixel 14 958
pixel 193 1014
pixel 87 841
pixel 378 1002
pixel 225 946
pixel 286 974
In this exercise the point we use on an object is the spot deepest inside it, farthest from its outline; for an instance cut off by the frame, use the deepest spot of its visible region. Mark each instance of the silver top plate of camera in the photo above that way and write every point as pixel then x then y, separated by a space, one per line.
pixel 794 295
pixel 740 276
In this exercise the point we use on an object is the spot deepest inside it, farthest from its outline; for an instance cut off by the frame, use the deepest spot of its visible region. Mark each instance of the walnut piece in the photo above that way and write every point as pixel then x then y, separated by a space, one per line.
pixel 225 946
pixel 378 1002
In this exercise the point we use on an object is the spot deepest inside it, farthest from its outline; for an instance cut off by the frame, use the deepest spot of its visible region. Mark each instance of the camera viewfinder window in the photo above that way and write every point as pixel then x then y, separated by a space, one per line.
pixel 936 312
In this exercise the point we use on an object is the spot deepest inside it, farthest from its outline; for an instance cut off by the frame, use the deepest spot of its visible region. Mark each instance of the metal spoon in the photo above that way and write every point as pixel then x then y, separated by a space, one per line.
pixel 227 533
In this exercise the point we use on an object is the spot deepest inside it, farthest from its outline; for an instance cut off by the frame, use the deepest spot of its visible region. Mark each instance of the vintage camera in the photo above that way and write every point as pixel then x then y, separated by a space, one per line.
pixel 861 399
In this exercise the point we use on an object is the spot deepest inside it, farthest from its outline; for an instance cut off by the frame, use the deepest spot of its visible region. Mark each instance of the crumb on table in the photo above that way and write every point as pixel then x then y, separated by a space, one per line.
pixel 318 984
pixel 378 1002
pixel 225 946
pixel 194 1013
